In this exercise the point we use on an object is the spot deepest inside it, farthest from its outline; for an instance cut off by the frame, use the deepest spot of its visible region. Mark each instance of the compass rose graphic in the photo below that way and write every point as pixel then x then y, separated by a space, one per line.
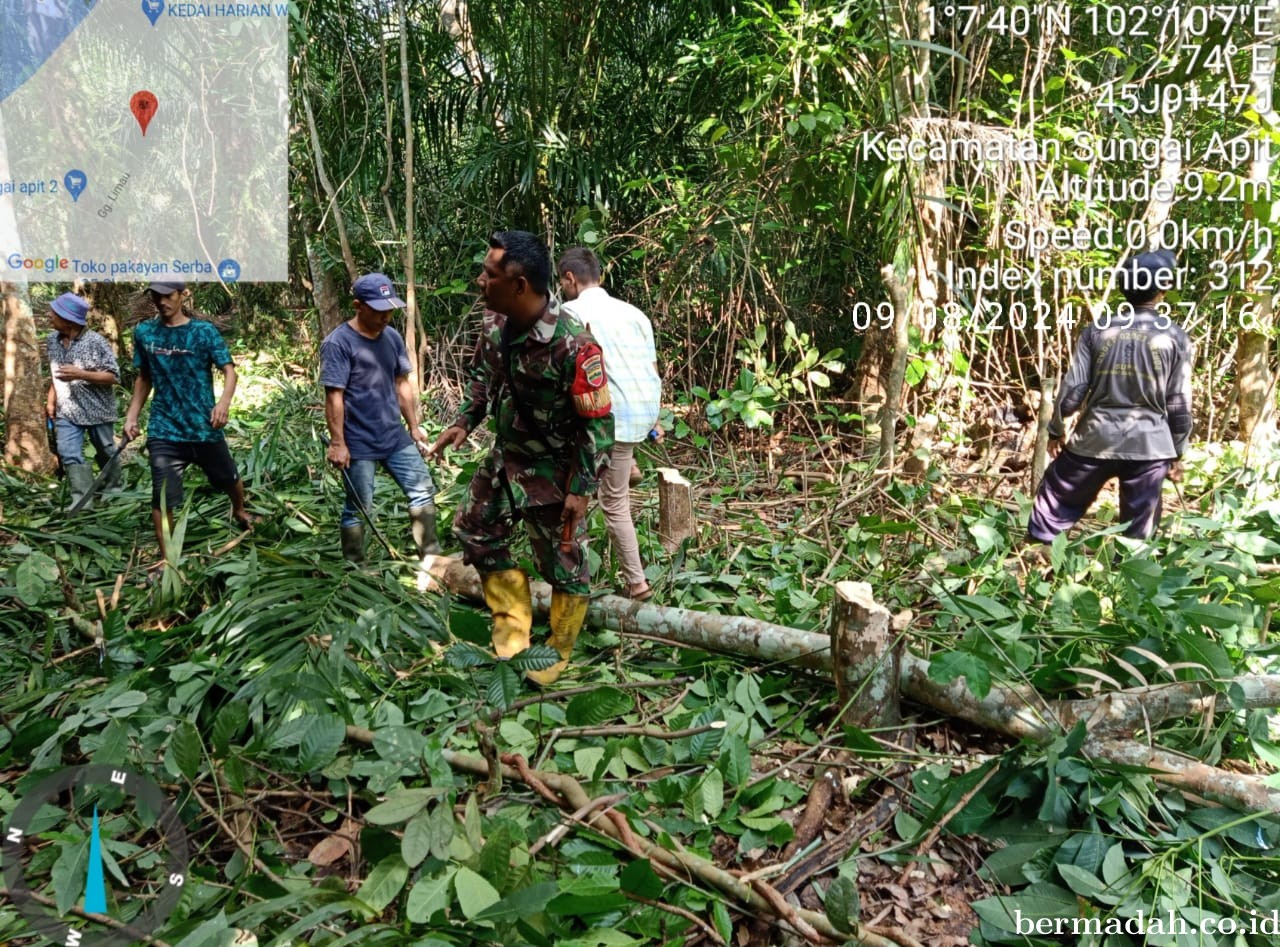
pixel 76 828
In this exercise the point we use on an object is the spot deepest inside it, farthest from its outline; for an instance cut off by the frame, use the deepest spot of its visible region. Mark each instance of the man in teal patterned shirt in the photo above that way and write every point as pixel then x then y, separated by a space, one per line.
pixel 175 356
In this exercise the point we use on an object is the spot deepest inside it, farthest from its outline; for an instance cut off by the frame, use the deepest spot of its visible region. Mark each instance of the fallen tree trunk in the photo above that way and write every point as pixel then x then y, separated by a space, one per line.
pixel 1020 712
pixel 1008 710
pixel 1237 790
pixel 1017 711
pixel 704 630
pixel 1142 708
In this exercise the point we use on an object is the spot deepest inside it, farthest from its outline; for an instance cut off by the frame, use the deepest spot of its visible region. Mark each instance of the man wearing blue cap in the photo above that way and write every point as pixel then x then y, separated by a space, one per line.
pixel 82 398
pixel 1130 378
pixel 175 356
pixel 368 391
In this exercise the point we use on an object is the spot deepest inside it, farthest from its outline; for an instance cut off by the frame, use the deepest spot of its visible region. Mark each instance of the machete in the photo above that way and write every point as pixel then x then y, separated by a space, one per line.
pixel 351 491
pixel 109 469
pixel 52 437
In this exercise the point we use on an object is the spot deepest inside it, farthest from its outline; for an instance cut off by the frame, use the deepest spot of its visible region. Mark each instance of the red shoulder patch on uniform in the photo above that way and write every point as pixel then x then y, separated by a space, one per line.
pixel 590 384
pixel 592 369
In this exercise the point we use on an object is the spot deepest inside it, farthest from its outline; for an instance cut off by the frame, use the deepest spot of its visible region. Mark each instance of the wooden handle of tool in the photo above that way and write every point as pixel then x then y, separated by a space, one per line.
pixel 566 529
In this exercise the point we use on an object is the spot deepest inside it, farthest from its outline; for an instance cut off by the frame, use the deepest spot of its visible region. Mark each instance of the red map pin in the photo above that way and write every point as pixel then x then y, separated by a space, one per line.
pixel 143 105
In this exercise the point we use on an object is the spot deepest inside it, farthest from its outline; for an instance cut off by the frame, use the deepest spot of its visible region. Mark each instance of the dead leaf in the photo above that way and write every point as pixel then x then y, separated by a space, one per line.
pixel 334 847
pixel 942 871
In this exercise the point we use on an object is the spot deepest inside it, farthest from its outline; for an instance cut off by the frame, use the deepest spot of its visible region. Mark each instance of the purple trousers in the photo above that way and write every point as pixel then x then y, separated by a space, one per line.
pixel 1072 482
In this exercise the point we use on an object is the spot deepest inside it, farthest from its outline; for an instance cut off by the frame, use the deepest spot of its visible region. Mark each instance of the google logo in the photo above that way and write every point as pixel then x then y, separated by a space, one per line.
pixel 17 262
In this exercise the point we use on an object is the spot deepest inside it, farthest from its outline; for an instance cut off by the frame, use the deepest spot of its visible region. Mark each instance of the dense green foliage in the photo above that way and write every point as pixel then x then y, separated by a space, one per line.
pixel 289 701
pixel 314 721
pixel 724 162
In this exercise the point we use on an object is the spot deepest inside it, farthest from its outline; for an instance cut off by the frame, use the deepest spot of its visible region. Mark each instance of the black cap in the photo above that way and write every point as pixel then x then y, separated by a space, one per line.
pixel 1148 272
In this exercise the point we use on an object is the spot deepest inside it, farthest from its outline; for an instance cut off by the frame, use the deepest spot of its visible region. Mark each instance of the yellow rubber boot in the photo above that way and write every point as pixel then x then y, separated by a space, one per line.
pixel 507 595
pixel 567 614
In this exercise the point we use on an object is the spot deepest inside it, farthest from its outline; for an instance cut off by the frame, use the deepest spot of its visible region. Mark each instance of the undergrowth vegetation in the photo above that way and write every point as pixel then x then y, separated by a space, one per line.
pixel 323 730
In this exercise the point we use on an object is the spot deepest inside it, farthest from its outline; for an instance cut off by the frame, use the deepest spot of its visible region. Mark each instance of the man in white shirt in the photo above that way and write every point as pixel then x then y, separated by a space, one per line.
pixel 631 365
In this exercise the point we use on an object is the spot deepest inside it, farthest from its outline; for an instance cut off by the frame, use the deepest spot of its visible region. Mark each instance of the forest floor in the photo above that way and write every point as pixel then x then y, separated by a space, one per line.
pixel 244 674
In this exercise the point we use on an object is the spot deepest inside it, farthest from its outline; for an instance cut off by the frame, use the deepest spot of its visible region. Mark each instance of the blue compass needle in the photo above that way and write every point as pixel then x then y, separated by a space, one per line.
pixel 95 889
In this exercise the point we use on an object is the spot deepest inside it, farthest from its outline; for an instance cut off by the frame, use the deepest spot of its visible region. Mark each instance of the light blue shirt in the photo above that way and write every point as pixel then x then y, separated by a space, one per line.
pixel 626 338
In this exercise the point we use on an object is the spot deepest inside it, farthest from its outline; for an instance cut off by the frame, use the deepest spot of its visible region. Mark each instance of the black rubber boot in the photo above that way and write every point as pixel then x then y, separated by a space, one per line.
pixel 422 522
pixel 80 477
pixel 353 543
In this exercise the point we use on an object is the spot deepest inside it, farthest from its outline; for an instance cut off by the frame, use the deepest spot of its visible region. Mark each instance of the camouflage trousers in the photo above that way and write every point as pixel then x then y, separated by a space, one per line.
pixel 486 523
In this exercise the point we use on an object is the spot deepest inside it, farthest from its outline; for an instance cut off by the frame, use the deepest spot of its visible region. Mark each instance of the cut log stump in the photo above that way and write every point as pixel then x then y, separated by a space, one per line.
pixel 865 658
pixel 675 508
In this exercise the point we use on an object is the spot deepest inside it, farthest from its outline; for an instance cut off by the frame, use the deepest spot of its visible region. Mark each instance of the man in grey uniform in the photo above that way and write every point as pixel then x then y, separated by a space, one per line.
pixel 1131 381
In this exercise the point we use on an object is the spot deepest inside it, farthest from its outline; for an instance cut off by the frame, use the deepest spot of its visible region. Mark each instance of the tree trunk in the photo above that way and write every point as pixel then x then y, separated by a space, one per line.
pixel 412 320
pixel 1247 793
pixel 324 290
pixel 704 630
pixel 455 21
pixel 1040 457
pixel 1253 357
pixel 897 366
pixel 915 236
pixel 26 443
pixel 870 385
pixel 1019 712
pixel 675 509
pixel 388 117
pixel 110 302
pixel 1170 174
pixel 1256 385
pixel 322 175
pixel 931 244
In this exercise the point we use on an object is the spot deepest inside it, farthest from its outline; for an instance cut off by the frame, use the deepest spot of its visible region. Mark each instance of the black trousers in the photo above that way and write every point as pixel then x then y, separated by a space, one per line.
pixel 1072 483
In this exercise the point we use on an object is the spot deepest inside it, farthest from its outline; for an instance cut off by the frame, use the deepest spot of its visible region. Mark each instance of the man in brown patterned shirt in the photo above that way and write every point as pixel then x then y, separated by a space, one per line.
pixel 82 398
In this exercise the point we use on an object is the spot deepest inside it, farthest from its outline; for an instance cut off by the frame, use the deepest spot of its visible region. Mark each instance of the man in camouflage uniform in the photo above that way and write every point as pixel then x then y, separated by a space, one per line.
pixel 540 375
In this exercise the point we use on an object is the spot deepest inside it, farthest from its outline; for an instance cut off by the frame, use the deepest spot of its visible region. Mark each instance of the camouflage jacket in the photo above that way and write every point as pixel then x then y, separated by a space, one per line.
pixel 559 377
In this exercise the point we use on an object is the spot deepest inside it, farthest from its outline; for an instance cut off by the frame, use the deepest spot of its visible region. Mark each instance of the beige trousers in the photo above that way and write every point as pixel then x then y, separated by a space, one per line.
pixel 615 500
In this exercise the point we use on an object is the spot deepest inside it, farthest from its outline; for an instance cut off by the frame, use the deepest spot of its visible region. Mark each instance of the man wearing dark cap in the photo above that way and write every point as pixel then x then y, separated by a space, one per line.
pixel 541 376
pixel 1130 378
pixel 175 356
pixel 368 391
pixel 82 398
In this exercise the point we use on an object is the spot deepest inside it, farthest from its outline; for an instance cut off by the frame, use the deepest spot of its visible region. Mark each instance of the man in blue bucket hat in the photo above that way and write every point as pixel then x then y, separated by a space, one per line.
pixel 82 398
